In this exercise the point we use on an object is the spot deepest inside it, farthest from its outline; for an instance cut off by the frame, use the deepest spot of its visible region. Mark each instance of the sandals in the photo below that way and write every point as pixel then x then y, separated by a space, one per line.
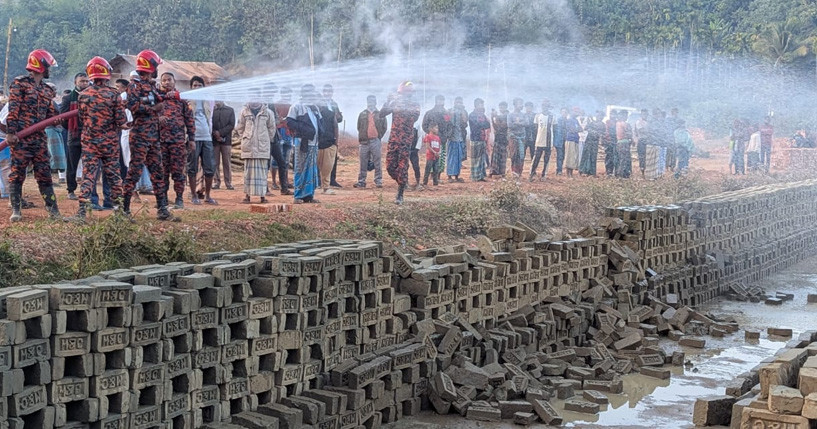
pixel 246 200
pixel 213 202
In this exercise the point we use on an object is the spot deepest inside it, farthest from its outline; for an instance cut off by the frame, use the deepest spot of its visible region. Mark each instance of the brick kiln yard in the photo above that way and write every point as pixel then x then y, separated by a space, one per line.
pixel 517 329
pixel 640 320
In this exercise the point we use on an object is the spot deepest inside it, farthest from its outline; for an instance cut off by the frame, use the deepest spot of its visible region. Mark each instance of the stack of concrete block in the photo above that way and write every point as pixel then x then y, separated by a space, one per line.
pixel 512 267
pixel 781 391
pixel 26 358
pixel 755 232
pixel 660 235
pixel 341 333
pixel 665 250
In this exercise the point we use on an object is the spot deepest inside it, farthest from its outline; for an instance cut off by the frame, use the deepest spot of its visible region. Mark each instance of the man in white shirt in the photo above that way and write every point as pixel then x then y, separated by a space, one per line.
pixel 544 139
pixel 753 151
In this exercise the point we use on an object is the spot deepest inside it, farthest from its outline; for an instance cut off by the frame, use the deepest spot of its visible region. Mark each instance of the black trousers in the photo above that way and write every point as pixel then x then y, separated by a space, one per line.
pixel 278 155
pixel 539 152
pixel 333 176
pixel 73 158
pixel 414 157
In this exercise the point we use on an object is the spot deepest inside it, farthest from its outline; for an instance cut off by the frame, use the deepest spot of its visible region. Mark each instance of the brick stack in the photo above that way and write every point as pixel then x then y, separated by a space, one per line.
pixel 26 358
pixel 781 391
pixel 338 333
pixel 755 232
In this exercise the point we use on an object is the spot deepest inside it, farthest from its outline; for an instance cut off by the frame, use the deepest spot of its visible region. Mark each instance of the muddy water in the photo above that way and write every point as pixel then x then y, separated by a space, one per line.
pixel 667 404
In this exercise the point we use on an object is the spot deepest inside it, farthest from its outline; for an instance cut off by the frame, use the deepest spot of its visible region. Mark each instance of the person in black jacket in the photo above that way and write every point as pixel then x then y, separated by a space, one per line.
pixel 69 102
pixel 223 124
pixel 304 122
pixel 328 140
pixel 370 130
pixel 328 92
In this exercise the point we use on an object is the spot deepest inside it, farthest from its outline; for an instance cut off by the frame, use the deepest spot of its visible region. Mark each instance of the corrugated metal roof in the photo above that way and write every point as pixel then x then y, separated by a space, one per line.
pixel 212 73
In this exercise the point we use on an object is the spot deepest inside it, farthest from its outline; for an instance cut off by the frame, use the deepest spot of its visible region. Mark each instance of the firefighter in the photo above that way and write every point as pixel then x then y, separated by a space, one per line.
pixel 30 103
pixel 177 130
pixel 102 115
pixel 145 103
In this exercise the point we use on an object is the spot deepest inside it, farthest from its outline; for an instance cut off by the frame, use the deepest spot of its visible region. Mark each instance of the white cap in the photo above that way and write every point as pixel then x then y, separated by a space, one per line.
pixel 134 74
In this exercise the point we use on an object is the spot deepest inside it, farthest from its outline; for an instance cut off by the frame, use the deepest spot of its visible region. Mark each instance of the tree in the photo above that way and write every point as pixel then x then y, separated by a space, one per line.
pixel 782 42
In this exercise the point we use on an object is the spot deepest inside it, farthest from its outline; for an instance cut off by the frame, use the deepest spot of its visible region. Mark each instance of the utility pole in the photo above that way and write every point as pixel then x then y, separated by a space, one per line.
pixel 8 51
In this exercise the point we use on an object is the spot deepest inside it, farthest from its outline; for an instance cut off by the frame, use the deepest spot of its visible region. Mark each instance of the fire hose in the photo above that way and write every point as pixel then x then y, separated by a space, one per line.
pixel 39 126
pixel 151 99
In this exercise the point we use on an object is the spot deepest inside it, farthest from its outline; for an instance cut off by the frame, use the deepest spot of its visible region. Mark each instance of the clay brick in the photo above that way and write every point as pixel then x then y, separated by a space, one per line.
pixel 71 297
pixel 485 414
pixel 807 381
pixel 581 406
pixel 780 332
pixel 713 410
pixel 445 387
pixel 697 343
pixel 30 400
pixel 629 342
pixel 755 418
pixel 68 389
pixel 142 294
pixel 71 344
pixel 509 408
pixel 524 419
pixel 772 374
pixel 595 397
pixel 810 406
pixel 546 412
pixel 313 411
pixel 195 281
pixel 27 304
pixel 659 373
pixel 785 400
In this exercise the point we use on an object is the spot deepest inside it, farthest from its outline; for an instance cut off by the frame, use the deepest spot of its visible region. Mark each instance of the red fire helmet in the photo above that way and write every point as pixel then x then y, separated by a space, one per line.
pixel 405 87
pixel 98 68
pixel 39 60
pixel 147 61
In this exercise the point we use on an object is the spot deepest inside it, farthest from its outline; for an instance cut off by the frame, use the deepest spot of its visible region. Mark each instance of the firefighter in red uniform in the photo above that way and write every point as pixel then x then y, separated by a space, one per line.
pixel 145 103
pixel 30 103
pixel 177 131
pixel 102 115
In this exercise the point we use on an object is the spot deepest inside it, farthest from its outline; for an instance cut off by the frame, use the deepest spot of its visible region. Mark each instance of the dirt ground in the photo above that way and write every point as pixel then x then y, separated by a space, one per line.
pixel 716 165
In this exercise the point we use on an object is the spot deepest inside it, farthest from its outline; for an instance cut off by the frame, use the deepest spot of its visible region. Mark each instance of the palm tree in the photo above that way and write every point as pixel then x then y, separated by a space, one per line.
pixel 782 42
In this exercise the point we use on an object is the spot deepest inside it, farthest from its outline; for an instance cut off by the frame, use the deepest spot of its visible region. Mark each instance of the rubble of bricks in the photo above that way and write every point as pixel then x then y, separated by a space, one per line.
pixel 781 391
pixel 346 334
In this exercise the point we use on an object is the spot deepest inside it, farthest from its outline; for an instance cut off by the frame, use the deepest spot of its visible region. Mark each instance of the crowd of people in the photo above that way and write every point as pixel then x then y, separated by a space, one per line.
pixel 750 146
pixel 140 136
pixel 662 142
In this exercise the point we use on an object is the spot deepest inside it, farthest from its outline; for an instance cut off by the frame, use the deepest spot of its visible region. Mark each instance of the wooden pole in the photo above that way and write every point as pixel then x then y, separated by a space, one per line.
pixel 424 78
pixel 340 45
pixel 312 42
pixel 488 83
pixel 8 51
pixel 505 81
